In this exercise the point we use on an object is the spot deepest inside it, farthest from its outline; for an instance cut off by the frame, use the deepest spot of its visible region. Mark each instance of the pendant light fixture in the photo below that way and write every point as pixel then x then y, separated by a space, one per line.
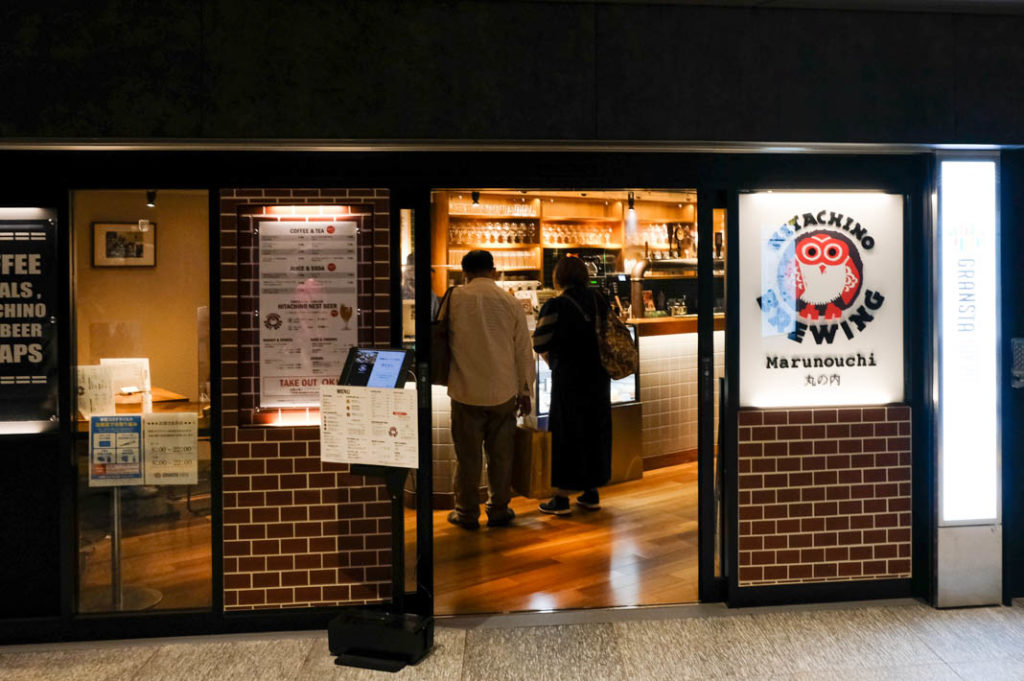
pixel 151 198
pixel 630 219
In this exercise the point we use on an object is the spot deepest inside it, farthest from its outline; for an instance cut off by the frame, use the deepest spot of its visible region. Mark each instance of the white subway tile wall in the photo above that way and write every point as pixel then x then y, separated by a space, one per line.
pixel 668 390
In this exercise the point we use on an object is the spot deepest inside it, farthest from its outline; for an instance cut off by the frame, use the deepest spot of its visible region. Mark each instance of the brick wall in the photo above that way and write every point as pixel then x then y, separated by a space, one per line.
pixel 824 495
pixel 296 532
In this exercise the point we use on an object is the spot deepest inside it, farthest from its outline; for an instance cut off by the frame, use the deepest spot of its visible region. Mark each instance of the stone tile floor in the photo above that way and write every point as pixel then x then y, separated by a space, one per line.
pixel 872 641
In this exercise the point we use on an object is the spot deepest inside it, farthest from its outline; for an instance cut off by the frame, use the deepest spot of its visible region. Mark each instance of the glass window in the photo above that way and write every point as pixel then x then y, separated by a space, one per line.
pixel 143 343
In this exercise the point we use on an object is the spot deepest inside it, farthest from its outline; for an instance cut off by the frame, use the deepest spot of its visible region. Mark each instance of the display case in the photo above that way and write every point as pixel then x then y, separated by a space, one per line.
pixel 627 419
pixel 623 391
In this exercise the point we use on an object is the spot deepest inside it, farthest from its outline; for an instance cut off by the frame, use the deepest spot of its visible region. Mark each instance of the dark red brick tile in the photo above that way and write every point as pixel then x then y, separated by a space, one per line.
pixel 801 448
pixel 812 493
pixel 837 493
pixel 788 432
pixel 848 415
pixel 837 431
pixel 851 446
pixel 899 413
pixel 826 447
pixel 825 416
pixel 813 432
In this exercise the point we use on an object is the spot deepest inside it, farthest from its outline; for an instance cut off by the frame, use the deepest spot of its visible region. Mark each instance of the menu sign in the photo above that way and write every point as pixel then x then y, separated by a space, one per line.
pixel 369 426
pixel 28 338
pixel 307 300
pixel 821 298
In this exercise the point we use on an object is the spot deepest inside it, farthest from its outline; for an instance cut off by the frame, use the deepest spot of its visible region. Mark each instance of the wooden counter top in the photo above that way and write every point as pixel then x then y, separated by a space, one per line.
pixel 667 326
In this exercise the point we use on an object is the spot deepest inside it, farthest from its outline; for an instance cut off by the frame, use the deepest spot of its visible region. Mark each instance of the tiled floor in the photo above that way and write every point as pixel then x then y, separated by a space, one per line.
pixel 890 641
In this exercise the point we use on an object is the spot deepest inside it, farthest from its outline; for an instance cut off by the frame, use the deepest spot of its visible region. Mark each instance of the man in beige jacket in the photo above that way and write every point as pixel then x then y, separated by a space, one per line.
pixel 490 381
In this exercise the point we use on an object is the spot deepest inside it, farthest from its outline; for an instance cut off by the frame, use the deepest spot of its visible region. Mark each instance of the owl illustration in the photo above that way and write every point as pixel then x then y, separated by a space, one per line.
pixel 825 272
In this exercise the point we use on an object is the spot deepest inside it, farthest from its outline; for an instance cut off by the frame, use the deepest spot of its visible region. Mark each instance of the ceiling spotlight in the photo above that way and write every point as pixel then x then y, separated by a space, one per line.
pixel 151 198
pixel 476 198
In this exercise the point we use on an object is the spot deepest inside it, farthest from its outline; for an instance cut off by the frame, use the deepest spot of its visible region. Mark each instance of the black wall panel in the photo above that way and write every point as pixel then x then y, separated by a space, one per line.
pixel 30 508
pixel 1012 320
pixel 489 69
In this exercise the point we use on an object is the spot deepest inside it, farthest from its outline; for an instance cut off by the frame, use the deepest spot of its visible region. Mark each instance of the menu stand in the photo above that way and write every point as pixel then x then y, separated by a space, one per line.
pixel 384 639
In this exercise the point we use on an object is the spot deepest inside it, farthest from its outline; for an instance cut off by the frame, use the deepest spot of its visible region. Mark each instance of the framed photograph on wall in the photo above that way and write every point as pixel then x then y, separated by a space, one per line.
pixel 124 244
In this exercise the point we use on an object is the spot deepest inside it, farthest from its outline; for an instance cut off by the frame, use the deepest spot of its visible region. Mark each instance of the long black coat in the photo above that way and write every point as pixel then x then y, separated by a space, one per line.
pixel 581 419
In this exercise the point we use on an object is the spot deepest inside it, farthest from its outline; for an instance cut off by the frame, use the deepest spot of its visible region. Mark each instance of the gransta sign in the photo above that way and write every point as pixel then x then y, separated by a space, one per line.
pixel 822 295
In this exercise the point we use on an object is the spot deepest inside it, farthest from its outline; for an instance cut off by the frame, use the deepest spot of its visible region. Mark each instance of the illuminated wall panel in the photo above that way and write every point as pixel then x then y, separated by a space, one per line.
pixel 968 342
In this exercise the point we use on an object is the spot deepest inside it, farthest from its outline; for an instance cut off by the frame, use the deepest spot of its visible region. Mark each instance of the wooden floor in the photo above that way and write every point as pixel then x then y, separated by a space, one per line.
pixel 639 549
pixel 174 561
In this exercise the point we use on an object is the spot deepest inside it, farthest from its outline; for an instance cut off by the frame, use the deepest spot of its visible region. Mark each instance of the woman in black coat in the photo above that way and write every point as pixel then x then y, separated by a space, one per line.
pixel 580 419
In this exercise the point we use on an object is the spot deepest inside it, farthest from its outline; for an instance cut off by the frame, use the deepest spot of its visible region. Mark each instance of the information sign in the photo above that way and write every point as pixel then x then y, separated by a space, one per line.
pixel 115 451
pixel 171 448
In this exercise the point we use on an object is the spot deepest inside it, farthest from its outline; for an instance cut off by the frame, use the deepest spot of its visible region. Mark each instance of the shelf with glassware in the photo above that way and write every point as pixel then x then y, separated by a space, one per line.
pixel 663 228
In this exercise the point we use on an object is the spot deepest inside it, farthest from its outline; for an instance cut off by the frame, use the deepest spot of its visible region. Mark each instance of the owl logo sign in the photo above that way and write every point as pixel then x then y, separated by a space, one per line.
pixel 815 278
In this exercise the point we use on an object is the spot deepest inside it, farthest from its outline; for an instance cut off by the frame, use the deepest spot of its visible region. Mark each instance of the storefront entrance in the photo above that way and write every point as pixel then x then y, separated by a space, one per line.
pixel 641 248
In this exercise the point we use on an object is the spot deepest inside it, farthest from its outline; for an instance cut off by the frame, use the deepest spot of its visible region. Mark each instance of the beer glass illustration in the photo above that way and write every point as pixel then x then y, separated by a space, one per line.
pixel 346 314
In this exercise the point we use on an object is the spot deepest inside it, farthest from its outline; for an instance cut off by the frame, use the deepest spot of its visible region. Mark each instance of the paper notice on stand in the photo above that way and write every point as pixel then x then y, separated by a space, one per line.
pixel 376 426
pixel 171 447
pixel 96 390
pixel 115 451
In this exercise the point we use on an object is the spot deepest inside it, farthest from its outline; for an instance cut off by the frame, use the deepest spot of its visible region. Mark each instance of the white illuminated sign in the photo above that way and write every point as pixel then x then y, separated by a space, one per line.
pixel 969 460
pixel 821 298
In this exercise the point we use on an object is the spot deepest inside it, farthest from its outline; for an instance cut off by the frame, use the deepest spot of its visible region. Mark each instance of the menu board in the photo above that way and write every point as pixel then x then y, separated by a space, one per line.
pixel 369 426
pixel 115 451
pixel 821 298
pixel 28 338
pixel 307 305
pixel 171 446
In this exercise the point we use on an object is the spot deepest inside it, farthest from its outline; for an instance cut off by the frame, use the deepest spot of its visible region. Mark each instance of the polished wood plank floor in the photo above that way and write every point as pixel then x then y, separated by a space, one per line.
pixel 639 549
pixel 175 561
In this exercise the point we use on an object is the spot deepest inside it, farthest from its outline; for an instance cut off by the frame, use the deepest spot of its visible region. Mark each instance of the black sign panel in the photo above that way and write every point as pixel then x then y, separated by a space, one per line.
pixel 28 329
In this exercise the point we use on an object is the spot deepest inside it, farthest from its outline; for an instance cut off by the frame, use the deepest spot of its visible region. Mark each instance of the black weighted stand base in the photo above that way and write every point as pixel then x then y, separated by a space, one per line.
pixel 379 664
pixel 374 639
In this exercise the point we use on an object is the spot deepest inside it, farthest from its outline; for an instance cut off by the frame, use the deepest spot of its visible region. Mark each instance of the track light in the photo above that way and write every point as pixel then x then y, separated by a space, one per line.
pixel 476 199
pixel 151 198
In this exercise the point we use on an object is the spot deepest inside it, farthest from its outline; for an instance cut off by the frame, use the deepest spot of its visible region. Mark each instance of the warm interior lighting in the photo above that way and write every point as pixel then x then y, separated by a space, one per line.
pixel 289 417
pixel 151 198
pixel 968 404
pixel 307 210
